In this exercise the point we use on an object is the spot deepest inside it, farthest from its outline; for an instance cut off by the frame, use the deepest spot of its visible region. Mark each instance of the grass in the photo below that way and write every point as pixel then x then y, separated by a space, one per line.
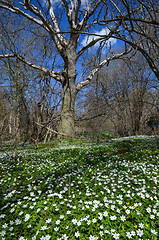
pixel 75 190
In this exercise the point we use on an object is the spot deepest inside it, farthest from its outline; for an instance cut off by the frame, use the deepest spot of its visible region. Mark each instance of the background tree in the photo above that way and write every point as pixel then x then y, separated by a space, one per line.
pixel 139 27
pixel 31 103
pixel 29 95
pixel 122 98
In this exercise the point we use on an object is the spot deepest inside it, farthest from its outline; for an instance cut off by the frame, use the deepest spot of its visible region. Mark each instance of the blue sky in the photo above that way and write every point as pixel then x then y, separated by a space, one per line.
pixel 84 38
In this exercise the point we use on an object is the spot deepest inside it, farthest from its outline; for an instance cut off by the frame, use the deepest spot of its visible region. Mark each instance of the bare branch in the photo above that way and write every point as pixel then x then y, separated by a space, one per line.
pixel 51 130
pixel 101 37
pixel 89 12
pixel 89 78
pixel 72 14
pixel 77 10
pixel 116 7
pixel 56 28
pixel 92 43
pixel 139 48
pixel 56 75
pixel 67 10
pixel 125 18
pixel 41 21
pixel 16 10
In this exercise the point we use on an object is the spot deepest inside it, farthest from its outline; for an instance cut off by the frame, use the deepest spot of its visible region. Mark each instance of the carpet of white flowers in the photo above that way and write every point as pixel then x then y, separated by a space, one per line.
pixel 80 192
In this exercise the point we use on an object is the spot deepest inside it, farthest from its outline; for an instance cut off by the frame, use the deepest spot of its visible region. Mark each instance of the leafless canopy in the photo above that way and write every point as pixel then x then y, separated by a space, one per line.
pixel 75 26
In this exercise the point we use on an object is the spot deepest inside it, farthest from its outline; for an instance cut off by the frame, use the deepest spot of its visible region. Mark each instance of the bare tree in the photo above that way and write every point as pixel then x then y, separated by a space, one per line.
pixel 29 96
pixel 81 18
pixel 139 27
pixel 121 96
pixel 31 103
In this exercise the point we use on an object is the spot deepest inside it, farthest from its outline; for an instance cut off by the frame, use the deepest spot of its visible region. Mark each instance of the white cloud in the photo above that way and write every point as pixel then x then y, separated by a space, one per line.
pixel 104 31
pixel 83 2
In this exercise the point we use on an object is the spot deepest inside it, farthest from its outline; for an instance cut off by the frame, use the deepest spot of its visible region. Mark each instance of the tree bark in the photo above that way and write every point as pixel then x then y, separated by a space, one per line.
pixel 67 116
pixel 66 126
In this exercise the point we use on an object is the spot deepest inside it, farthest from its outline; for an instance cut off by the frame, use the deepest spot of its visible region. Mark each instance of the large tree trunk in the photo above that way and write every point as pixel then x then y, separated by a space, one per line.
pixel 67 117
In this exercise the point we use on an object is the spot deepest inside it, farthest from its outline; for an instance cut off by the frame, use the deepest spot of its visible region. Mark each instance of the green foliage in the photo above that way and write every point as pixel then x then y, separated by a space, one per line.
pixel 81 190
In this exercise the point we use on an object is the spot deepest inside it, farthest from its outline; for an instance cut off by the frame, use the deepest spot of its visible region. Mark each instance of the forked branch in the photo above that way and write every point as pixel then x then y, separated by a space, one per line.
pixel 106 61
pixel 56 75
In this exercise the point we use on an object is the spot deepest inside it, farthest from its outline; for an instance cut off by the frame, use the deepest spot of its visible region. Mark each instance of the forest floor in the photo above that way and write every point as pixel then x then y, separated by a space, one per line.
pixel 81 190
